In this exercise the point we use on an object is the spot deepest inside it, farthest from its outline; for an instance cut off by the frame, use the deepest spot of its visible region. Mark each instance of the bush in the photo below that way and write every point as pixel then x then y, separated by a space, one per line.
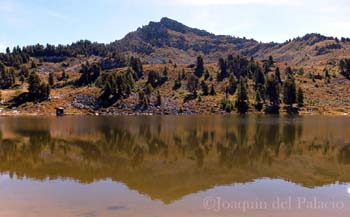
pixel 226 105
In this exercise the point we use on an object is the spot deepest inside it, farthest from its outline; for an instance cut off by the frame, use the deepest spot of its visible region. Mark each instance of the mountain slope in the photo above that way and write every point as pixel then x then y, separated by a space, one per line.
pixel 158 42
pixel 169 39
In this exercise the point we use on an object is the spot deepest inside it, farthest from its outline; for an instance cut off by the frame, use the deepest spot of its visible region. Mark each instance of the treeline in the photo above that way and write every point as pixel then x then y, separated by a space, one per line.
pixel 83 47
pixel 15 58
pixel 53 53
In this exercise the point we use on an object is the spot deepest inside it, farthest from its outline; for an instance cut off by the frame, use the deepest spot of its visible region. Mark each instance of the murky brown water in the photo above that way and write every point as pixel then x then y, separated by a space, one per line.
pixel 175 166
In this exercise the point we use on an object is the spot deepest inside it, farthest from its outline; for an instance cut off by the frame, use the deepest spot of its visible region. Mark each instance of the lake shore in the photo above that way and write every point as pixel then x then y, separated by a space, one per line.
pixel 114 112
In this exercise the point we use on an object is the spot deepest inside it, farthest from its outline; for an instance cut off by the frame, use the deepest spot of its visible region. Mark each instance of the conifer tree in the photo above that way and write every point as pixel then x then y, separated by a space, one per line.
pixel 192 83
pixel 273 90
pixel 241 103
pixel 212 90
pixel 222 74
pixel 300 97
pixel 51 80
pixel 232 85
pixel 199 70
pixel 289 92
pixel 205 88
pixel 159 99
pixel 258 100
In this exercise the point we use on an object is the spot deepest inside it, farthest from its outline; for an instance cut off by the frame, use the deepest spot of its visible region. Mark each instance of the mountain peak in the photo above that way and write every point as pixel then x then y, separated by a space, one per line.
pixel 179 27
pixel 166 20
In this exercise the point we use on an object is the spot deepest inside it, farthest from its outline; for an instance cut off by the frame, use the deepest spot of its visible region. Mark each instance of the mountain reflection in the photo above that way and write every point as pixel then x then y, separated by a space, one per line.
pixel 167 158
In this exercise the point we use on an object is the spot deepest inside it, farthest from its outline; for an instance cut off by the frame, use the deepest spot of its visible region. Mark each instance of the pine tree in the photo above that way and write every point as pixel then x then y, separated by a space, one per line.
pixel 89 74
pixel 177 84
pixel 143 100
pixel 7 77
pixel 164 77
pixel 129 78
pixel 22 79
pixel 258 100
pixel 183 74
pixel 199 70
pixel 230 64
pixel 205 88
pixel 192 83
pixel 241 103
pixel 64 76
pixel 24 71
pixel 289 73
pixel 159 99
pixel 212 90
pixel 273 90
pixel 222 74
pixel 154 79
pixel 226 104
pixel 289 92
pixel 33 65
pixel 51 79
pixel 148 89
pixel 271 61
pixel 232 85
pixel 34 84
pixel 37 89
pixel 300 97
pixel 342 66
pixel 136 65
pixel 206 75
pixel 278 75
pixel 259 78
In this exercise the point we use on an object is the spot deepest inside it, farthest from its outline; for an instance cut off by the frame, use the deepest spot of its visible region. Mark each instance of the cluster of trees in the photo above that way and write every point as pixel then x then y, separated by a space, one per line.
pixel 82 47
pixel 236 72
pixel 53 53
pixel 268 85
pixel 38 90
pixel 116 86
pixel 89 74
pixel 178 81
pixel 236 66
pixel 7 77
pixel 156 79
pixel 136 65
pixel 195 80
pixel 274 87
pixel 115 60
pixel 15 58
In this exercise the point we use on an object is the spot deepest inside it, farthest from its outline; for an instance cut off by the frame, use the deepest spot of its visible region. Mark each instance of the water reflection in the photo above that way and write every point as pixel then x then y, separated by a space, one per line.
pixel 167 158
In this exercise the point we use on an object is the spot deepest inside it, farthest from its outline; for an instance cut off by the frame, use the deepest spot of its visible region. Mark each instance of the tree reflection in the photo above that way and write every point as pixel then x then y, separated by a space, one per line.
pixel 116 148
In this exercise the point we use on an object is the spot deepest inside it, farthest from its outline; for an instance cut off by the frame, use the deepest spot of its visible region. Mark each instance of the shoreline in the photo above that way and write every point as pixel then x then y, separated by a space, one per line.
pixel 17 113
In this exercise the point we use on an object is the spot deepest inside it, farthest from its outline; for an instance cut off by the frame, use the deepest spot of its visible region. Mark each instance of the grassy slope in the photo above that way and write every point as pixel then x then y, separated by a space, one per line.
pixel 332 98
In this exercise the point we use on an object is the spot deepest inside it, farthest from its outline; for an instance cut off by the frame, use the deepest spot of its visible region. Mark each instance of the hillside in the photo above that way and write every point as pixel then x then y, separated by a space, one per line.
pixel 168 68
pixel 168 39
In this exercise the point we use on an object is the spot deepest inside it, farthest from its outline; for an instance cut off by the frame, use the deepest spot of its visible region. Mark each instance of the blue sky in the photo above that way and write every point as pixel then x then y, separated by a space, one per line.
pixel 24 22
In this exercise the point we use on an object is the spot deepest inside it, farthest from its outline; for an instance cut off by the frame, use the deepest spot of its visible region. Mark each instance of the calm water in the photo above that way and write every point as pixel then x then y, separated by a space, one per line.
pixel 174 166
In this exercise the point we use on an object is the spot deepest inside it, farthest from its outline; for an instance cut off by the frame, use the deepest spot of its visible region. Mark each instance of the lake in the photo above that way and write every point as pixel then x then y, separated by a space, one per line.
pixel 174 166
